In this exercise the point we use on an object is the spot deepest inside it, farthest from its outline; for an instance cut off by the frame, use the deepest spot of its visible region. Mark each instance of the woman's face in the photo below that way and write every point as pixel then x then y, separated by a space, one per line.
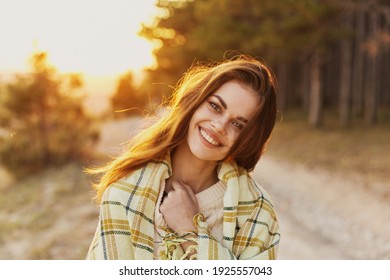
pixel 219 120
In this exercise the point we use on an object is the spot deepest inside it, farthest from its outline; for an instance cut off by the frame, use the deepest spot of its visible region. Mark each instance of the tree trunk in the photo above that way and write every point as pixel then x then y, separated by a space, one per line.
pixel 370 113
pixel 346 75
pixel 384 82
pixel 282 86
pixel 315 107
pixel 358 62
pixel 305 87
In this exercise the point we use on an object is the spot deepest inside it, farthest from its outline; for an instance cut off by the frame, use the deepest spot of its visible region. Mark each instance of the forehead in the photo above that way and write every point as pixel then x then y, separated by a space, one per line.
pixel 240 99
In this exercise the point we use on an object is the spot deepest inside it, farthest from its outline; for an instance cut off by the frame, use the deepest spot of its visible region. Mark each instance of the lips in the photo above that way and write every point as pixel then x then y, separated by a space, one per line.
pixel 210 137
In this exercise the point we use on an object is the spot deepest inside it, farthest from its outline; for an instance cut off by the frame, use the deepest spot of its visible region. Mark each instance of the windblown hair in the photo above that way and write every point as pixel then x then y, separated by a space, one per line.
pixel 192 90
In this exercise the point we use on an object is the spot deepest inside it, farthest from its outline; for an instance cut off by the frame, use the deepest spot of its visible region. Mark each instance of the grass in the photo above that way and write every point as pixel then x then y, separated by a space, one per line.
pixel 358 149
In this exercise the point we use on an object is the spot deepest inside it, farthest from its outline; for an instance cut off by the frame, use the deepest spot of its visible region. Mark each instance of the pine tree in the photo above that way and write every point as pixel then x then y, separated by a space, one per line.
pixel 43 120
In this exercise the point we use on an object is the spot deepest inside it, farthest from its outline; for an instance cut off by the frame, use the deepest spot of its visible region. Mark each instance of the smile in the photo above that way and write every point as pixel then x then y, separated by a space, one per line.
pixel 208 138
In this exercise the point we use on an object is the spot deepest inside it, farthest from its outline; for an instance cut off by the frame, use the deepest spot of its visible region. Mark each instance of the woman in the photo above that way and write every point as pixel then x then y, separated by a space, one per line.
pixel 182 190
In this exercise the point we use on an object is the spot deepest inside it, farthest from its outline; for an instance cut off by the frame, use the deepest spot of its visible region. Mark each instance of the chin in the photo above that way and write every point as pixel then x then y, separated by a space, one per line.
pixel 204 154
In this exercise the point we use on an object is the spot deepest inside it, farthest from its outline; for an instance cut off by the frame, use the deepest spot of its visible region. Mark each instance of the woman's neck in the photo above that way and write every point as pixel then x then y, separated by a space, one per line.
pixel 198 174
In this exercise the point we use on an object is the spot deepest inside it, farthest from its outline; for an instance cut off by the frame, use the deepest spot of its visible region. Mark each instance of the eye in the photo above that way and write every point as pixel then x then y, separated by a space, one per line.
pixel 238 125
pixel 215 107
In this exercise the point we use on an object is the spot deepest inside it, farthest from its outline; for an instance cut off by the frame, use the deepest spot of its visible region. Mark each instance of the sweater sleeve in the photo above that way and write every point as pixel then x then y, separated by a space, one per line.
pixel 112 239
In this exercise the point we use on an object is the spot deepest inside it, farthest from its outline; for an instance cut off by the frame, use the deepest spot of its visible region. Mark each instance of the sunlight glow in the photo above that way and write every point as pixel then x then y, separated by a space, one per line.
pixel 96 37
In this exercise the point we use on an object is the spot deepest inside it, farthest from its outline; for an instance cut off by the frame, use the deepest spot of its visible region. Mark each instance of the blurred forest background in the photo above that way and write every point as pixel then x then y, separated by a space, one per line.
pixel 332 62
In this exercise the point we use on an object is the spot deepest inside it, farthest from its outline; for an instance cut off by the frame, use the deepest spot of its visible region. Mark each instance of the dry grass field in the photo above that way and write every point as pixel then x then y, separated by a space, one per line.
pixel 358 149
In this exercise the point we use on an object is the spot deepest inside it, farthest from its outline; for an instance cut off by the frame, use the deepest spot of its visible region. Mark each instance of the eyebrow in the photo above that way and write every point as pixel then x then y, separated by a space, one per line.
pixel 223 103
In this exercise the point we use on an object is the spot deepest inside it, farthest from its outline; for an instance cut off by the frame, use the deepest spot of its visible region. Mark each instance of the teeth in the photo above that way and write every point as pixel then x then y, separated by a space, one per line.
pixel 208 138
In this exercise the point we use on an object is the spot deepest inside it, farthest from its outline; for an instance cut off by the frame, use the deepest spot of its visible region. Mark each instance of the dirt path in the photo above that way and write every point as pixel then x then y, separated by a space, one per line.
pixel 327 216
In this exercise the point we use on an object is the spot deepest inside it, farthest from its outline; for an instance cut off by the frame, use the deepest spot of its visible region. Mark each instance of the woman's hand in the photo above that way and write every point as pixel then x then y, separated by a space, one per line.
pixel 179 207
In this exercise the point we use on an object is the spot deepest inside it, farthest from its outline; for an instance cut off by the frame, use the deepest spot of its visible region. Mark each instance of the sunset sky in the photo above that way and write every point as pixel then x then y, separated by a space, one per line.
pixel 97 38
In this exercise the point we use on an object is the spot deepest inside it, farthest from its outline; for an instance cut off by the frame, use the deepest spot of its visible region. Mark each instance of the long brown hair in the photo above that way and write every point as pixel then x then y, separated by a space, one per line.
pixel 195 86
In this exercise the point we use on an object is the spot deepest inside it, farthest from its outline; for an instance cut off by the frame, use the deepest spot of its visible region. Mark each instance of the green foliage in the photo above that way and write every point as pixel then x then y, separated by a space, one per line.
pixel 43 120
pixel 280 31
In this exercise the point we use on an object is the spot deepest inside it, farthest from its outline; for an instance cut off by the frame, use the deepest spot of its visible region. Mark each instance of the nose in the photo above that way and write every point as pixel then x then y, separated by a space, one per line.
pixel 219 125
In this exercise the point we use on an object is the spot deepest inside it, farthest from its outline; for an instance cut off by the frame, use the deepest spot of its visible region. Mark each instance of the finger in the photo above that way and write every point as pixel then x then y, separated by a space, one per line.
pixel 190 192
pixel 179 185
pixel 170 193
pixel 176 185
pixel 162 207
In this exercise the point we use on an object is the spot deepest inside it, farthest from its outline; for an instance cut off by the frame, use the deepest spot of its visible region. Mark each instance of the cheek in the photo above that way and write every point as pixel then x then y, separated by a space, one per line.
pixel 194 118
pixel 201 114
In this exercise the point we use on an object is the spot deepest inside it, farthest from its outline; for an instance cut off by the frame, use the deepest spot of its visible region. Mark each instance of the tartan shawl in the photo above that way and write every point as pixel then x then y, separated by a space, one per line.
pixel 126 220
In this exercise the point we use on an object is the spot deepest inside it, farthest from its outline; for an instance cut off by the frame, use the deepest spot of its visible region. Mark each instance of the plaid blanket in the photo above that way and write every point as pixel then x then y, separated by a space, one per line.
pixel 126 227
